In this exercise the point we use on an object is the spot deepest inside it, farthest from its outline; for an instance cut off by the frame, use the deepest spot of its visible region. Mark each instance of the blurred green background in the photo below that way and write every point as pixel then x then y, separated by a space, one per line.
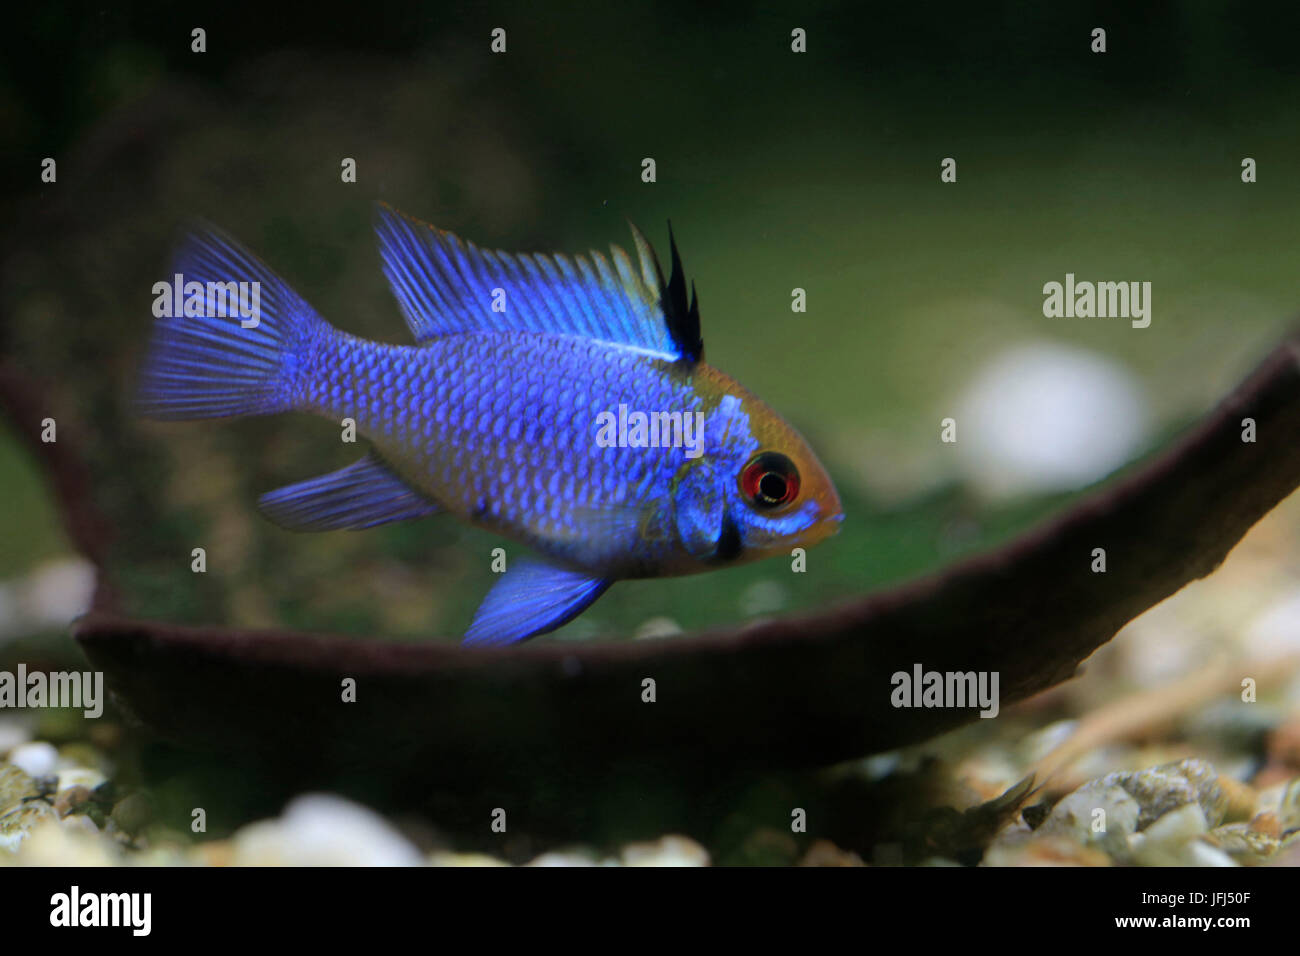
pixel 779 170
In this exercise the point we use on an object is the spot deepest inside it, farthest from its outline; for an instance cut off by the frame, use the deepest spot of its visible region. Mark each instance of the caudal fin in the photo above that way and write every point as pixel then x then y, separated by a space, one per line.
pixel 239 342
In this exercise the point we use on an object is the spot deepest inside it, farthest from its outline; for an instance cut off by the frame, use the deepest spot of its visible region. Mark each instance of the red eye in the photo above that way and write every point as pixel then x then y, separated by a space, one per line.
pixel 769 480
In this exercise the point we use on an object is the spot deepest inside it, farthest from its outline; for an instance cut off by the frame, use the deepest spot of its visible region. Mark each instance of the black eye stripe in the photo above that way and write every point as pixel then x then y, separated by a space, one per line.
pixel 729 544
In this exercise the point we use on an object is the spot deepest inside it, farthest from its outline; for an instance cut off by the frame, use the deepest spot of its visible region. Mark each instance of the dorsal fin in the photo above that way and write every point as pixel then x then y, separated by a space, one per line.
pixel 683 320
pixel 445 285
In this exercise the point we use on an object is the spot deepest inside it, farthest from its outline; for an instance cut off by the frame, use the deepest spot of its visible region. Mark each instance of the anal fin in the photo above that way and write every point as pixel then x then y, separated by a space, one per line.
pixel 530 599
pixel 362 495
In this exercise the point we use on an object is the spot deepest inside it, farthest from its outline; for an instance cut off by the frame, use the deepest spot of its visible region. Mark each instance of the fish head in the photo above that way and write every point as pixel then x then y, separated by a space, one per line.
pixel 766 492
pixel 781 495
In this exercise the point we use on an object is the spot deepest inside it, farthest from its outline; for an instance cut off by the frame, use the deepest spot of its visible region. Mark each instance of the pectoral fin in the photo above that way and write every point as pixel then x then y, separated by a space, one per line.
pixel 362 495
pixel 705 527
pixel 530 599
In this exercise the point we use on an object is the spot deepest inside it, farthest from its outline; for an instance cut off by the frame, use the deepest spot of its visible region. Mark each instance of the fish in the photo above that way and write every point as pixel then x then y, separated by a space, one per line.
pixel 559 401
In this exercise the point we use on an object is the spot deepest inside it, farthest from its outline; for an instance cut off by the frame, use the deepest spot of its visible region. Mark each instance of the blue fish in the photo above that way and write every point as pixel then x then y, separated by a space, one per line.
pixel 559 401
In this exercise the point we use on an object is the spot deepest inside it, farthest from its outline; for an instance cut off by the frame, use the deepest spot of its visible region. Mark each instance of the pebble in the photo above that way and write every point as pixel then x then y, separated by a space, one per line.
pixel 1175 840
pixel 1244 844
pixel 323 830
pixel 1025 435
pixel 1282 800
pixel 52 842
pixel 443 858
pixel 59 591
pixel 671 850
pixel 17 823
pixel 1275 631
pixel 72 800
pixel 1184 823
pixel 36 759
pixel 565 858
pixel 1076 815
pixel 1162 789
pixel 82 777
pixel 1024 849
pixel 80 822
pixel 15 786
pixel 214 853
pixel 133 813
pixel 167 854
pixel 1240 800
pixel 826 853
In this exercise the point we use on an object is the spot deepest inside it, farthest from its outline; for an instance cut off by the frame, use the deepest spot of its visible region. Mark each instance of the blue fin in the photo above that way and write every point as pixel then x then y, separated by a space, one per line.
pixel 210 366
pixel 704 526
pixel 362 495
pixel 530 599
pixel 683 320
pixel 445 285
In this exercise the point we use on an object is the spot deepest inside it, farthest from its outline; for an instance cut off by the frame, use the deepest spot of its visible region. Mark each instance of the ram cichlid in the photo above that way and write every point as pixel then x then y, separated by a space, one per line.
pixel 561 402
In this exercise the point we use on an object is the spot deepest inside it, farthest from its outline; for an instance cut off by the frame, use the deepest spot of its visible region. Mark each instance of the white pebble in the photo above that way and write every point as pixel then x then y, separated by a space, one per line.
pixel 1202 854
pixel 1171 840
pixel 59 591
pixel 1276 629
pixel 79 777
pixel 668 851
pixel 36 759
pixel 563 859
pixel 1048 417
pixel 324 830
pixel 445 858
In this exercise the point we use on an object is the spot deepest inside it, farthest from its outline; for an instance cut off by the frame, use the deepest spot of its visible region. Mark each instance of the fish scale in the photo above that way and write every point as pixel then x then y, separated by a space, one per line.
pixel 405 400
pixel 501 415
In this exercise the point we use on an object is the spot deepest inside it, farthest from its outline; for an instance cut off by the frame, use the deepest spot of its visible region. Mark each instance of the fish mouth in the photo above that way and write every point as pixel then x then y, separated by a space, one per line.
pixel 823 528
pixel 832 512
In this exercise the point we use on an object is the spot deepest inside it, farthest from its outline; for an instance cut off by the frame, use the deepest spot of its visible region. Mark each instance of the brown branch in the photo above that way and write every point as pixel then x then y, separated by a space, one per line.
pixel 1143 711
pixel 796 691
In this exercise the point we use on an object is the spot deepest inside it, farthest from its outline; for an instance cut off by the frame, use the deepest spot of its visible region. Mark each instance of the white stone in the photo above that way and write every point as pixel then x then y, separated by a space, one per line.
pixel 1276 629
pixel 324 830
pixel 59 591
pixel 671 850
pixel 79 777
pixel 1048 417
pixel 36 759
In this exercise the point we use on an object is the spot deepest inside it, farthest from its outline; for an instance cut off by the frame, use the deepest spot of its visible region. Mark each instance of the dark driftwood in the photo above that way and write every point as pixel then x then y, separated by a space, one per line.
pixel 791 692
